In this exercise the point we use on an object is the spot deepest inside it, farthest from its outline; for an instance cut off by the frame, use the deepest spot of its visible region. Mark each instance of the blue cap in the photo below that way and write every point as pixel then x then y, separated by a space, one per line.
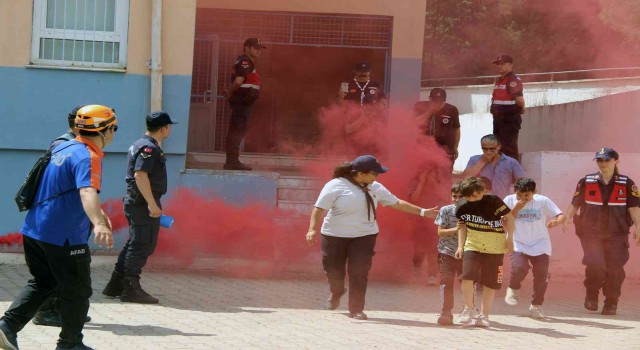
pixel 368 163
pixel 606 153
pixel 159 119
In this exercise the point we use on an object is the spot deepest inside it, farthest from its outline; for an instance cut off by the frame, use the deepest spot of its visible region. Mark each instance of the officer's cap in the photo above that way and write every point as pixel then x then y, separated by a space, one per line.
pixel 606 153
pixel 158 119
pixel 74 111
pixel 437 94
pixel 503 59
pixel 362 67
pixel 254 42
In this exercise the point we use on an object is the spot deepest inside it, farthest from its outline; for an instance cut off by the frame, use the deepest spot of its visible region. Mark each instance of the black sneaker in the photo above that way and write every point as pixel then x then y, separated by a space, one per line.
pixel 236 166
pixel 591 303
pixel 609 309
pixel 8 338
pixel 77 347
pixel 51 318
pixel 445 319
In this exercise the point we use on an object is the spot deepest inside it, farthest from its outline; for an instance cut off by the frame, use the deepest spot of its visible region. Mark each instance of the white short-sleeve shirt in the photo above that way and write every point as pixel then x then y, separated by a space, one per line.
pixel 347 206
pixel 532 236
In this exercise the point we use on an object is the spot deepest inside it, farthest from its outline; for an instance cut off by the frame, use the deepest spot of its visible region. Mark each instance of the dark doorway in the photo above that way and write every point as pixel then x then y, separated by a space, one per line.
pixel 307 58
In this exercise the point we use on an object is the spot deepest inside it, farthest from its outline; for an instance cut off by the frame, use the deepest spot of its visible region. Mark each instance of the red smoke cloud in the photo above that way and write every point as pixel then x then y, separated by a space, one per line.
pixel 11 239
pixel 209 227
pixel 114 210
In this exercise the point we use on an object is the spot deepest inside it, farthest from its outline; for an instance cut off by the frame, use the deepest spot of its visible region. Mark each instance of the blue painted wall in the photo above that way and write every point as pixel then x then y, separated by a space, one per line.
pixel 34 104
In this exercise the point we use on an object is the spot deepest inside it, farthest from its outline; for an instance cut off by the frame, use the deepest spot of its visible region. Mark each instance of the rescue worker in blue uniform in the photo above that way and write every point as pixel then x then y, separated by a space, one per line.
pixel 49 313
pixel 146 183
pixel 609 204
pixel 56 231
pixel 507 106
pixel 242 94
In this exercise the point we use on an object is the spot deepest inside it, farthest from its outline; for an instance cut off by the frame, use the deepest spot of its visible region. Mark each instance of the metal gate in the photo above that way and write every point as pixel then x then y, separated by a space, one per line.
pixel 219 38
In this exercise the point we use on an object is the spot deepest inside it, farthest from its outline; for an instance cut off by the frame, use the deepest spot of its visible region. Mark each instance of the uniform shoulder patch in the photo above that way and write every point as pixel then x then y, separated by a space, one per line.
pixel 634 191
pixel 146 152
pixel 513 84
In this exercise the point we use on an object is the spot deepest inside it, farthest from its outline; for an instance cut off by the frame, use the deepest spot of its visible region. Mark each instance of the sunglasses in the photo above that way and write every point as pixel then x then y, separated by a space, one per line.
pixel 489 148
pixel 114 128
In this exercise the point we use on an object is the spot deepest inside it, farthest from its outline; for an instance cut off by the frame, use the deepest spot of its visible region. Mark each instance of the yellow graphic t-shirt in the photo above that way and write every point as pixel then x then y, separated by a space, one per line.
pixel 482 218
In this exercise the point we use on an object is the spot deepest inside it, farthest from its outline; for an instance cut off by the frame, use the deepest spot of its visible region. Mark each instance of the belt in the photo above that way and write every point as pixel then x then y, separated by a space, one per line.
pixel 504 103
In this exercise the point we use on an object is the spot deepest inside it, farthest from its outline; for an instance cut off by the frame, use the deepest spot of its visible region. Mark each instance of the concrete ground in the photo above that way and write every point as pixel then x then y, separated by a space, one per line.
pixel 206 311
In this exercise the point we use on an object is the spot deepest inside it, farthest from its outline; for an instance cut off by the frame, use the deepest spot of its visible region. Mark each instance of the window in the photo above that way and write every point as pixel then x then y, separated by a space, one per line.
pixel 80 33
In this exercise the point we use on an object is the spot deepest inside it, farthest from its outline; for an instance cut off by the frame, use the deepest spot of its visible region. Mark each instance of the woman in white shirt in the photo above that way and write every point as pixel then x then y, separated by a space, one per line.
pixel 349 229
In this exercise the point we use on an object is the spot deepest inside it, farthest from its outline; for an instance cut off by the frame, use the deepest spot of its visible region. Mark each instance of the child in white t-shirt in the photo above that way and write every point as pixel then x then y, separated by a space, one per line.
pixel 534 214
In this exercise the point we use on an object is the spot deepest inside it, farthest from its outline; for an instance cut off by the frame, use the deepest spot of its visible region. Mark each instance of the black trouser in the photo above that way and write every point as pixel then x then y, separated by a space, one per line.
pixel 605 255
pixel 507 127
pixel 425 245
pixel 142 242
pixel 354 254
pixel 66 269
pixel 449 268
pixel 540 268
pixel 238 126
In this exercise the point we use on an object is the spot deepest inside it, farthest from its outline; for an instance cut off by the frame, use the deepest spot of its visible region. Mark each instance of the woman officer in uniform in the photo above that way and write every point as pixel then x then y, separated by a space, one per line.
pixel 608 203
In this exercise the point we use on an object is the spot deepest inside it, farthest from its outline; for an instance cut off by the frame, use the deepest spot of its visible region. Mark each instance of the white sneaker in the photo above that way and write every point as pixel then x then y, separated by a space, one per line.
pixel 482 321
pixel 512 297
pixel 467 316
pixel 536 311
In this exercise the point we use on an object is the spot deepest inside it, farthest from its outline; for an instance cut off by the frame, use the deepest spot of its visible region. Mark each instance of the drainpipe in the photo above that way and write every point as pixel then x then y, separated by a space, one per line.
pixel 156 55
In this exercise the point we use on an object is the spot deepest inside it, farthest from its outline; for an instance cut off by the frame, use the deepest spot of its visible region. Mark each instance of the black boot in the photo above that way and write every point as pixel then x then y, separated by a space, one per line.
pixel 133 293
pixel 115 285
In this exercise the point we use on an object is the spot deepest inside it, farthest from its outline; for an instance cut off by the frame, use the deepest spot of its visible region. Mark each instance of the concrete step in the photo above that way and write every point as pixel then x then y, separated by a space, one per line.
pixel 288 181
pixel 300 207
pixel 298 194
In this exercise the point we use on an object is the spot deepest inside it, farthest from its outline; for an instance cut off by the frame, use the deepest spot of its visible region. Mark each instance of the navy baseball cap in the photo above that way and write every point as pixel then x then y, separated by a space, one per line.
pixel 368 163
pixel 158 119
pixel 437 94
pixel 362 67
pixel 503 59
pixel 74 111
pixel 254 42
pixel 606 153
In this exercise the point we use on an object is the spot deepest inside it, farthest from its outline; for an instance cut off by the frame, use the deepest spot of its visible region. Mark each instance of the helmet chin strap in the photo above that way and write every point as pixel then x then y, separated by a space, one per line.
pixel 103 138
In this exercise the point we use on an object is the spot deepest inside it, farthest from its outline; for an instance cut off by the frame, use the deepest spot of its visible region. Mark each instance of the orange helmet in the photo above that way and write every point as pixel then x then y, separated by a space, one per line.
pixel 95 118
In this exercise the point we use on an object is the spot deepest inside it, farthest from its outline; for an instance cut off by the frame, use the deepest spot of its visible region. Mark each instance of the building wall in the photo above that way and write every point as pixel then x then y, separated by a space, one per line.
pixel 408 31
pixel 34 102
pixel 583 126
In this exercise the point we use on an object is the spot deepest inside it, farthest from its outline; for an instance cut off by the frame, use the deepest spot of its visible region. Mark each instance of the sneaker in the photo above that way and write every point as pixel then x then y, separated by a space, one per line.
pixel 609 309
pixel 334 300
pixel 358 316
pixel 591 302
pixel 467 316
pixel 8 338
pixel 536 311
pixel 512 297
pixel 445 319
pixel 432 281
pixel 482 321
pixel 77 347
